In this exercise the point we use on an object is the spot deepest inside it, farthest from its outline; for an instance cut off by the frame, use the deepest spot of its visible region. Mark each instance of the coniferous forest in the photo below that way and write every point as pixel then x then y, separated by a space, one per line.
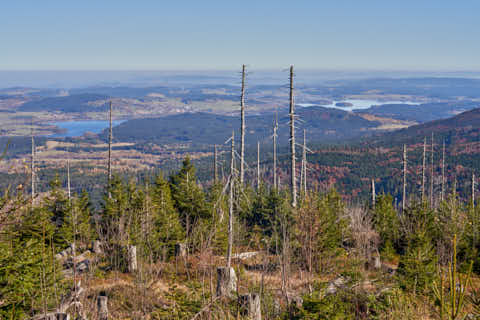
pixel 242 245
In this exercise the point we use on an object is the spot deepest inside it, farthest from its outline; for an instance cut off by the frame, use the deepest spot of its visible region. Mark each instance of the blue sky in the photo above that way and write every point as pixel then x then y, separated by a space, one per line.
pixel 196 35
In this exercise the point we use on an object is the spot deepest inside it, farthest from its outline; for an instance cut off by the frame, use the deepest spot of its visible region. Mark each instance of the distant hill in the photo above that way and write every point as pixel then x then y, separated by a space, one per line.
pixel 434 87
pixel 463 127
pixel 421 113
pixel 205 128
pixel 72 103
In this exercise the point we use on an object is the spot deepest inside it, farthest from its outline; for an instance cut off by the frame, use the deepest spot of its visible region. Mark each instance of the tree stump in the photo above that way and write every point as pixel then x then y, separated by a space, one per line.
pixel 180 250
pixel 251 306
pixel 62 316
pixel 132 258
pixel 377 264
pixel 226 281
pixel 97 247
pixel 102 307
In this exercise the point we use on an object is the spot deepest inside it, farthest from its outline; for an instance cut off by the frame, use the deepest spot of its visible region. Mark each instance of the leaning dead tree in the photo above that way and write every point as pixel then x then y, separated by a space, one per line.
pixel 293 182
pixel 110 139
pixel 242 138
pixel 404 195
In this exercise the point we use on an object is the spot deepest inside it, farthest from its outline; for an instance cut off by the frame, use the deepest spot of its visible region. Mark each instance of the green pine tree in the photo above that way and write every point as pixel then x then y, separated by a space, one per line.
pixel 189 198
pixel 167 229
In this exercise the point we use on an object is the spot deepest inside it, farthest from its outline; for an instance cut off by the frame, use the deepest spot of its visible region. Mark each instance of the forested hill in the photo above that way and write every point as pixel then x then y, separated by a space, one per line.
pixel 464 127
pixel 205 128
pixel 73 103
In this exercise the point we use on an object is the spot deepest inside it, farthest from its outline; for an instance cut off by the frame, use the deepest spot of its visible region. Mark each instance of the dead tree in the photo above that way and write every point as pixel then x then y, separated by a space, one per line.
pixel 69 193
pixel 32 169
pixel 293 183
pixel 373 193
pixel 275 127
pixel 404 195
pixel 110 139
pixel 473 190
pixel 230 202
pixel 431 176
pixel 304 165
pixel 242 141
pixel 423 167
pixel 226 278
pixel 215 171
pixel 443 171
pixel 258 165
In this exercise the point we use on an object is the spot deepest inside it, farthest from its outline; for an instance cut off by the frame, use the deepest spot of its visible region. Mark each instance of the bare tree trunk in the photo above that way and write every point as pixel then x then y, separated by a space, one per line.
pixel 230 204
pixel 110 138
pixel 285 260
pixel 258 165
pixel 304 163
pixel 423 167
pixel 431 177
pixel 69 193
pixel 373 194
pixel 32 169
pixel 215 171
pixel 242 141
pixel 275 127
pixel 443 171
pixel 404 195
pixel 473 190
pixel 292 143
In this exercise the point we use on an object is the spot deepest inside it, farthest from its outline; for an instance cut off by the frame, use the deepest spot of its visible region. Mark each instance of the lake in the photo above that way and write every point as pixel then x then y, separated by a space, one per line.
pixel 78 128
pixel 357 104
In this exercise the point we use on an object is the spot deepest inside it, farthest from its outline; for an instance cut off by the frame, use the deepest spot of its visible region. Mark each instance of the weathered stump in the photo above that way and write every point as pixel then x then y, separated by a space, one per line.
pixel 376 263
pixel 132 258
pixel 102 307
pixel 180 250
pixel 336 284
pixel 226 281
pixel 97 247
pixel 251 306
pixel 62 316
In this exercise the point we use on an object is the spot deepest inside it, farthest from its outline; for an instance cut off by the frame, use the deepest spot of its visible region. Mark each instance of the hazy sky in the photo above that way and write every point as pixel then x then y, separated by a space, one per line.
pixel 203 34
